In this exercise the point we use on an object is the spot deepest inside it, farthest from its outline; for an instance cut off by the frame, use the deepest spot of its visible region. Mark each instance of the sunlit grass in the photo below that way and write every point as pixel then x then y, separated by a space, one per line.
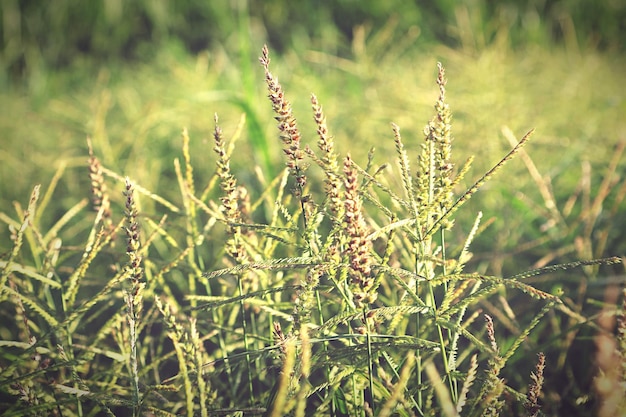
pixel 135 116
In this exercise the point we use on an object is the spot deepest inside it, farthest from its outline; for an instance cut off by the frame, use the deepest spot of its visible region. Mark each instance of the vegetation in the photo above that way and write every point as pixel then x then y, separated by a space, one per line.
pixel 34 36
pixel 255 265
pixel 333 288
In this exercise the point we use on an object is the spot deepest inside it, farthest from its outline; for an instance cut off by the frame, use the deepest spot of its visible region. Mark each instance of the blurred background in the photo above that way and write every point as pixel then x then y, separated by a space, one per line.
pixel 42 36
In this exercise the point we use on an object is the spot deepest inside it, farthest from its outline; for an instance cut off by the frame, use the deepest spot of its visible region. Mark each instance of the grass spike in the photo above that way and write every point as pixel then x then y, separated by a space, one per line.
pixel 534 391
pixel 19 236
pixel 41 311
pixel 467 383
pixel 73 283
pixel 564 267
pixel 479 183
pixel 47 196
pixel 134 296
pixel 289 132
pixel 526 331
pixel 405 170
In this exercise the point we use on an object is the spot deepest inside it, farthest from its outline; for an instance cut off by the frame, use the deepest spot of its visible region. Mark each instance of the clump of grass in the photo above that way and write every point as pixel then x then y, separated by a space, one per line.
pixel 347 296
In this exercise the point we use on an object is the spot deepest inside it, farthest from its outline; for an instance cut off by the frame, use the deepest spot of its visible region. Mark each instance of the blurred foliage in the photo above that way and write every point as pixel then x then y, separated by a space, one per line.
pixel 55 34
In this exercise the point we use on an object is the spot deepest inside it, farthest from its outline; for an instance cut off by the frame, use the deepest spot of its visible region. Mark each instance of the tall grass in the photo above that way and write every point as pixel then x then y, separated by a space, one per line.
pixel 333 288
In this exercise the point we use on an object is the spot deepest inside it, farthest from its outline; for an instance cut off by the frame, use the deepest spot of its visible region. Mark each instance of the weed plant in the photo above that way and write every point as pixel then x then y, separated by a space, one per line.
pixel 335 288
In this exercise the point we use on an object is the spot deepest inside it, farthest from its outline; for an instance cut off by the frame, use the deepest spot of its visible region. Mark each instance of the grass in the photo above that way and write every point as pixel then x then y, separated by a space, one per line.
pixel 343 284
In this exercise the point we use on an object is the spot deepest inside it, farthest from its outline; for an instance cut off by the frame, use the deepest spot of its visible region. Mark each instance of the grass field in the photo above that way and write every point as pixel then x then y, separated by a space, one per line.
pixel 211 281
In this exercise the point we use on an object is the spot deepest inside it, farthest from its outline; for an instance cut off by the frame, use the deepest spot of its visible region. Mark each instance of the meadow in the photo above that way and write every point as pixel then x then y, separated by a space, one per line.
pixel 372 229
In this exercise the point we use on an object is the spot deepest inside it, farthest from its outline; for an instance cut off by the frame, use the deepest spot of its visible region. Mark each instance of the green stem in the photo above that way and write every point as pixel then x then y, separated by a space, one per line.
pixel 370 368
pixel 245 338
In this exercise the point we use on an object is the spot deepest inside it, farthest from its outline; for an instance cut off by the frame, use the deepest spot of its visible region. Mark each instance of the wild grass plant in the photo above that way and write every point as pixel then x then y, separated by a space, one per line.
pixel 334 288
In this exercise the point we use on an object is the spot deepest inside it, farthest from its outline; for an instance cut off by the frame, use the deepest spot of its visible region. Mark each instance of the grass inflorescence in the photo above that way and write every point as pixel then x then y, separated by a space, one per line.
pixel 335 288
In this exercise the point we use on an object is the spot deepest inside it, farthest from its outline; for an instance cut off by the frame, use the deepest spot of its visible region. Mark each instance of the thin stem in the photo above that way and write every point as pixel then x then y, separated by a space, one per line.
pixel 245 337
pixel 370 369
